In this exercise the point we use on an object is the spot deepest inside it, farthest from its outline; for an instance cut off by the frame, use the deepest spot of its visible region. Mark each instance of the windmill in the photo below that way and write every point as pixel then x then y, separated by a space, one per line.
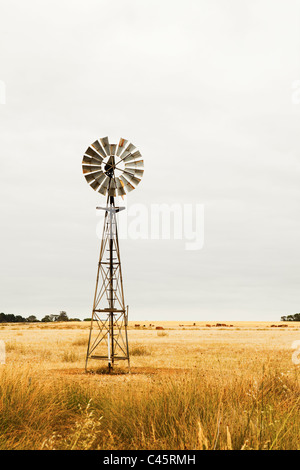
pixel 111 170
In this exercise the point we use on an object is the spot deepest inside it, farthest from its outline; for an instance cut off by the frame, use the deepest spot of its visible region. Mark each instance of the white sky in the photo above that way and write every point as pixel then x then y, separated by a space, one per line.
pixel 204 89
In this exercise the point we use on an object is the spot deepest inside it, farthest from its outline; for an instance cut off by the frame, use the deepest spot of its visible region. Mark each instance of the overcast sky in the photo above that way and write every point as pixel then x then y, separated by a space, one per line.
pixel 208 91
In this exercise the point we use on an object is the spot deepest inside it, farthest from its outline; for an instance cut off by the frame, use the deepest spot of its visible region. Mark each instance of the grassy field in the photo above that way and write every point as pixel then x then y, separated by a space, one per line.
pixel 191 386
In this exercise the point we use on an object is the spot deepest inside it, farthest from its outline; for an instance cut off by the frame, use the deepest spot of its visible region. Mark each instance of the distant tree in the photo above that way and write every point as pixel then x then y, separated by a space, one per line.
pixel 295 317
pixel 2 317
pixel 87 319
pixel 62 316
pixel 32 318
pixel 10 318
pixel 74 319
pixel 47 319
pixel 20 319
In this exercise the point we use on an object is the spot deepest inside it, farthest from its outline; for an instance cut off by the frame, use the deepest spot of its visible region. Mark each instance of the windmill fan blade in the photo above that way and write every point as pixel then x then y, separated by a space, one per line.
pixel 120 187
pixel 113 149
pixel 132 156
pixel 105 142
pixel 133 179
pixel 121 146
pixel 86 159
pixel 95 185
pixel 102 190
pixel 131 148
pixel 121 192
pixel 128 186
pixel 119 183
pixel 112 192
pixel 89 177
pixel 137 154
pixel 105 184
pixel 112 187
pixel 136 172
pixel 99 176
pixel 128 158
pixel 91 160
pixel 99 149
pixel 90 168
pixel 95 161
pixel 125 155
pixel 128 172
pixel 91 153
pixel 138 164
pixel 136 181
pixel 123 180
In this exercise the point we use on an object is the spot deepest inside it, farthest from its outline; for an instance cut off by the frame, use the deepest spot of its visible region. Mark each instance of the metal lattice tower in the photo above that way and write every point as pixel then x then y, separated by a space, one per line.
pixel 110 170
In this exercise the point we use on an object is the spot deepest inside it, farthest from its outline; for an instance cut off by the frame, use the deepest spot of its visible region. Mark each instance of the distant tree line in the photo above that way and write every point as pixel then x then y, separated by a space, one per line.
pixel 295 317
pixel 11 318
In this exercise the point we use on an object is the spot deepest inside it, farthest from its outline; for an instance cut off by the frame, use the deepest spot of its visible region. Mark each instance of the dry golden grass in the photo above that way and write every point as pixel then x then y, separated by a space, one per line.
pixel 190 387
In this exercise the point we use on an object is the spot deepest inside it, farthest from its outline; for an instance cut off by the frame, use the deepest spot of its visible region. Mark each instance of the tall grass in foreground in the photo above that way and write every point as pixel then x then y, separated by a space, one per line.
pixel 189 411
